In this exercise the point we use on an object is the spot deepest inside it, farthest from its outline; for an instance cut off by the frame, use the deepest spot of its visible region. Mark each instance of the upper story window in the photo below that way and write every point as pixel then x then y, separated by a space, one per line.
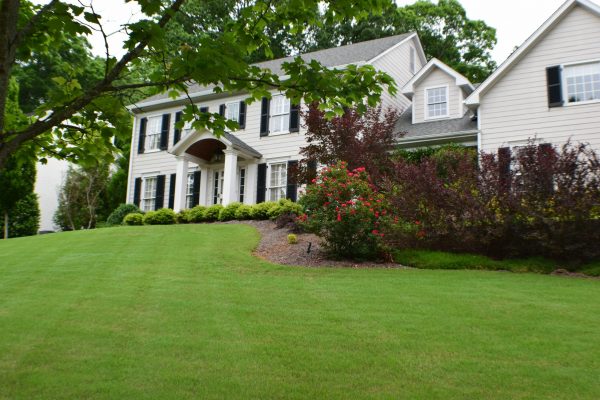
pixel 413 61
pixel 582 82
pixel 436 102
pixel 232 111
pixel 280 114
pixel 153 132
pixel 149 197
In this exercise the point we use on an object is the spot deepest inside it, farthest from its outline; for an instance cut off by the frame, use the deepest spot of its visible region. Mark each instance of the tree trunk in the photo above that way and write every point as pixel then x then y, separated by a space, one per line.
pixel 5 225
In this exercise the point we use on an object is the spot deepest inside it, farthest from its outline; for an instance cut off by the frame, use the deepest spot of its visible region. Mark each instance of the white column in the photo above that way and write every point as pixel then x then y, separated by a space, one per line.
pixel 230 176
pixel 205 185
pixel 180 183
pixel 251 177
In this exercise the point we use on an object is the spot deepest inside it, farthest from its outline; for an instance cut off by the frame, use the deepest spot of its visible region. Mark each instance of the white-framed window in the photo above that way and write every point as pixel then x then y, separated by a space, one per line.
pixel 153 131
pixel 277 181
pixel 436 102
pixel 581 82
pixel 189 190
pixel 149 193
pixel 413 61
pixel 218 181
pixel 280 115
pixel 242 184
pixel 232 111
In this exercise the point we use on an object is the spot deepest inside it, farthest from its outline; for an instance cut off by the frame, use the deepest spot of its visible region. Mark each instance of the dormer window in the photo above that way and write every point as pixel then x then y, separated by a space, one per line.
pixel 436 102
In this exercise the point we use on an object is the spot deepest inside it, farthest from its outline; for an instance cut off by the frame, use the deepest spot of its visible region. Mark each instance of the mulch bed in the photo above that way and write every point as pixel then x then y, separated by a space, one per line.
pixel 275 248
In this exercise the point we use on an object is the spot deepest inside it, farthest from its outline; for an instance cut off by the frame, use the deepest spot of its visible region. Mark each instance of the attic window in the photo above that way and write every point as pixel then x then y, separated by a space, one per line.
pixel 437 102
pixel 413 61
pixel 582 82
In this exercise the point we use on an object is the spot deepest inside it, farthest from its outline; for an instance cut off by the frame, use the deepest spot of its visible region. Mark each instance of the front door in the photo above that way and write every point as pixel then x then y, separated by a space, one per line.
pixel 218 179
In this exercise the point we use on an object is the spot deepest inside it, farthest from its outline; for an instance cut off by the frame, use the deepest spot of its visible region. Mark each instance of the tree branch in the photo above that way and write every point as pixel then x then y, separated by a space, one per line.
pixel 71 108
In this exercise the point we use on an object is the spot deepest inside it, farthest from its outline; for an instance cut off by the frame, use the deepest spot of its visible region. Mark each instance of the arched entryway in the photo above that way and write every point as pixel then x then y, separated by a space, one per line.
pixel 227 169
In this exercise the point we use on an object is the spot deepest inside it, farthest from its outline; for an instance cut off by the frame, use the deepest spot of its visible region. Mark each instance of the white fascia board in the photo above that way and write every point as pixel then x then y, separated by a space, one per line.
pixel 474 99
pixel 460 79
pixel 167 100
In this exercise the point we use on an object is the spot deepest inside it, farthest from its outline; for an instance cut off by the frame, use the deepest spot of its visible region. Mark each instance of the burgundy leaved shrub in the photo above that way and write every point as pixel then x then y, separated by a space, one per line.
pixel 533 201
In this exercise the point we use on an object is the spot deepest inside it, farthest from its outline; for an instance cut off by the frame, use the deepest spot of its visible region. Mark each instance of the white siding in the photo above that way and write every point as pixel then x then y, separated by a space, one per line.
pixel 397 64
pixel 516 108
pixel 284 147
pixel 437 78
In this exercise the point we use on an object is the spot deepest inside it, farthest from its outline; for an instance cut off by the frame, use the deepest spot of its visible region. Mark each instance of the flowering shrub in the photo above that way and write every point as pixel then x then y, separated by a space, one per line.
pixel 345 209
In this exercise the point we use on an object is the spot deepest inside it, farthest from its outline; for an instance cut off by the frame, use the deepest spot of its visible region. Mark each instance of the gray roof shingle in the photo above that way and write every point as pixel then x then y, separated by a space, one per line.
pixel 336 56
pixel 239 143
pixel 446 126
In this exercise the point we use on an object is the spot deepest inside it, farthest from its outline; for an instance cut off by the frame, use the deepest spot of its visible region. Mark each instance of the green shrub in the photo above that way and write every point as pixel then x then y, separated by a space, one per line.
pixel 292 239
pixel 212 213
pixel 134 219
pixel 261 210
pixel 116 217
pixel 197 214
pixel 283 207
pixel 243 212
pixel 228 213
pixel 24 218
pixel 164 216
pixel 184 217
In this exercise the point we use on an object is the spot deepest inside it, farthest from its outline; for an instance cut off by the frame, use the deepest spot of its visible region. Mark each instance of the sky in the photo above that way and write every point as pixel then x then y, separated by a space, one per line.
pixel 514 20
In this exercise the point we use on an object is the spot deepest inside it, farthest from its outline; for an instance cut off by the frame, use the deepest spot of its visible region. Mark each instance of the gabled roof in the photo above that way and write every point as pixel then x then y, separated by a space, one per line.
pixel 356 53
pixel 473 99
pixel 429 129
pixel 409 89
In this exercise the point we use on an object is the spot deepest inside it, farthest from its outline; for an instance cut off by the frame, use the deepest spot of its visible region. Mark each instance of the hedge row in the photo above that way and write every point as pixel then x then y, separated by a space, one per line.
pixel 233 211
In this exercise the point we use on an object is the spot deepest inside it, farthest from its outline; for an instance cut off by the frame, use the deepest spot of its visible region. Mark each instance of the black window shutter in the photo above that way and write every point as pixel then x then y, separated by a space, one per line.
pixel 294 117
pixel 504 161
pixel 547 157
pixel 222 110
pixel 142 135
pixel 264 116
pixel 203 109
pixel 164 132
pixel 311 170
pixel 242 116
pixel 261 184
pixel 137 189
pixel 196 191
pixel 172 181
pixel 177 131
pixel 160 192
pixel 292 180
pixel 553 77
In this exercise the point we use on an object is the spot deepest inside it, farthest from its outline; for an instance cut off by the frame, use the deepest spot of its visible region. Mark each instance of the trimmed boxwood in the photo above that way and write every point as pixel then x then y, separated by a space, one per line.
pixel 243 212
pixel 116 217
pixel 197 214
pixel 228 213
pixel 134 219
pixel 212 213
pixel 261 210
pixel 164 216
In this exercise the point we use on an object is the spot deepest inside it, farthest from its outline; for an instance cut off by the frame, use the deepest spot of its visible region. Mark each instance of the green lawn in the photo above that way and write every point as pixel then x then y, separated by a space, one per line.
pixel 185 312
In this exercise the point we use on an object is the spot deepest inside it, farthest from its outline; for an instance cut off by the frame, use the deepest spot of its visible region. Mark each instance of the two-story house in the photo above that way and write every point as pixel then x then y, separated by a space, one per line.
pixel 548 90
pixel 183 168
